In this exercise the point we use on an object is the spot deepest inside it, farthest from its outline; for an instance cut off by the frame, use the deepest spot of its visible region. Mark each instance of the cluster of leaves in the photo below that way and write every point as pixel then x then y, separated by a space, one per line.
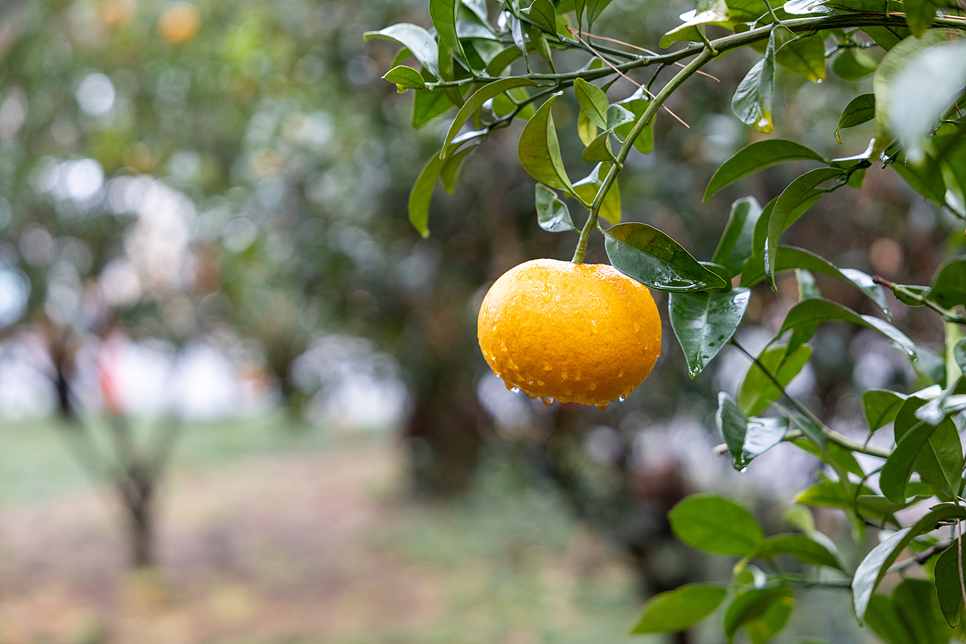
pixel 917 54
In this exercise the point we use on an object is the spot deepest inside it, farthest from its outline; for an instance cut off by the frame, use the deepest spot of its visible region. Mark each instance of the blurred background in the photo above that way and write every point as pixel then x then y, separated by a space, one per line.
pixel 241 399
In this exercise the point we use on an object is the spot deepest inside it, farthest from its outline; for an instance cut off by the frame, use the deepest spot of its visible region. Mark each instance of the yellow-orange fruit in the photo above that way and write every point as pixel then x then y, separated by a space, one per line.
pixel 179 22
pixel 581 333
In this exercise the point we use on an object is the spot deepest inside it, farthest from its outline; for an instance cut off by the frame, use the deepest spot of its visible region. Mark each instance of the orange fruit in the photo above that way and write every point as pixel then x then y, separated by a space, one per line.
pixel 582 333
pixel 179 22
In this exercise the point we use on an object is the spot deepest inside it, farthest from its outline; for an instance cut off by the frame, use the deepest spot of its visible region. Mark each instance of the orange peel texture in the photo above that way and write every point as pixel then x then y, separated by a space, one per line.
pixel 581 333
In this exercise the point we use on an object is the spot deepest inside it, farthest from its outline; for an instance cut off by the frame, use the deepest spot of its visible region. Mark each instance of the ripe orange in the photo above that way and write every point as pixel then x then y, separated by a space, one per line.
pixel 570 332
pixel 179 22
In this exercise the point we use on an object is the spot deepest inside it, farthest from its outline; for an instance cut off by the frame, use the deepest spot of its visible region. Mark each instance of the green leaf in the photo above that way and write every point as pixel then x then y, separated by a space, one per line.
pixel 918 607
pixel 637 103
pixel 443 14
pixel 883 618
pixel 586 129
pixel 920 14
pixel 707 12
pixel 594 9
pixel 873 568
pixel 790 257
pixel 926 179
pixel 478 7
pixel 539 150
pixel 450 172
pixel 799 546
pixel 704 322
pixel 734 247
pixel 679 609
pixel 746 438
pixel 422 193
pixel 860 109
pixel 755 157
pixel 880 407
pixel 804 56
pixel 552 214
pixel 752 102
pixel 593 102
pixel 890 68
pixel 900 464
pixel 655 260
pixel 475 102
pixel 429 104
pixel 757 391
pixel 715 524
pixel 405 78
pixel 853 64
pixel 816 310
pixel 588 187
pixel 922 91
pixel 828 494
pixel 543 13
pixel 948 587
pixel 416 39
pixel 948 288
pixel 599 149
pixel 800 195
pixel 618 116
pixel 762 612
pixel 939 457
pixel 539 42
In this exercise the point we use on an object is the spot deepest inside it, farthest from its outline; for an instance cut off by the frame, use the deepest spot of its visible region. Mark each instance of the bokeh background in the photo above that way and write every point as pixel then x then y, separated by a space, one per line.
pixel 241 399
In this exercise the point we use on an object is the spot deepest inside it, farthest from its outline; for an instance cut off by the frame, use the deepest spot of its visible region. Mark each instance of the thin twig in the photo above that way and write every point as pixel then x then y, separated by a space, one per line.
pixel 648 52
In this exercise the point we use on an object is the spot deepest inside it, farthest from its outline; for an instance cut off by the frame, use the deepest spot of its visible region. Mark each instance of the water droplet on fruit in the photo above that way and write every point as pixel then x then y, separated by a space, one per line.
pixel 577 377
pixel 547 401
pixel 540 383
pixel 563 374
pixel 620 373
pixel 593 325
pixel 547 367
pixel 602 406
pixel 515 390
pixel 593 386
pixel 637 327
pixel 623 397
pixel 529 395
pixel 568 391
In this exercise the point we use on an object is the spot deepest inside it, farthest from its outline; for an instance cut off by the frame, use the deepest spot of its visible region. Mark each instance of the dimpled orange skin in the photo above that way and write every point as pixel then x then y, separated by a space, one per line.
pixel 581 333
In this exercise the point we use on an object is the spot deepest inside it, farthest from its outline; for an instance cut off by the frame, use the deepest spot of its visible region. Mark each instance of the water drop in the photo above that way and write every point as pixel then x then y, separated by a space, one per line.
pixel 529 395
pixel 568 391
pixel 620 373
pixel 623 397
pixel 515 390
pixel 540 383
pixel 577 377
pixel 602 406
pixel 547 401
pixel 593 325
pixel 593 386
pixel 508 386
pixel 494 328
pixel 637 327
pixel 563 374
pixel 547 367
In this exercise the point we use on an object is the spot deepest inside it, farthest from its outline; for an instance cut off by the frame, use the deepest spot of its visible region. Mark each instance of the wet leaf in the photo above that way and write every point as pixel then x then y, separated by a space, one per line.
pixel 443 14
pixel 755 157
pixel 475 102
pixel 757 391
pixel 704 322
pixel 654 259
pixel 821 310
pixel 734 247
pixel 552 214
pixel 948 288
pixel 746 438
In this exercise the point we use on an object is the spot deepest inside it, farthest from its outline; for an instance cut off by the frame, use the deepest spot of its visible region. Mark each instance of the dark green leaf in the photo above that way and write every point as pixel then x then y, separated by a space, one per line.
pixel 934 449
pixel 809 426
pixel 752 102
pixel 762 612
pixel 746 438
pixel 959 355
pixel 853 63
pixel 735 244
pixel 552 214
pixel 594 9
pixel 599 149
pixel 807 286
pixel 920 14
pixel 860 110
pixel 617 116
pixel 539 150
pixel 715 524
pixel 899 466
pixel 882 617
pixel 755 157
pixel 654 259
pixel 588 187
pixel 502 60
pixel 429 104
pixel 539 42
pixel 405 78
pixel 948 288
pixel 679 609
pixel 478 7
pixel 812 311
pixel 880 407
pixel 704 322
pixel 873 567
pixel 475 102
pixel 542 13
pixel 800 195
pixel 757 391
pixel 422 193
pixel 790 257
pixel 918 608
pixel 948 573
pixel 450 172
pixel 799 546
pixel 926 179
pixel 416 39
pixel 592 101
pixel 443 13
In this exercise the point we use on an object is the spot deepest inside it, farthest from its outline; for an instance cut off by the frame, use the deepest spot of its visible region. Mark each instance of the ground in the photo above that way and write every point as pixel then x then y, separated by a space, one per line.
pixel 270 537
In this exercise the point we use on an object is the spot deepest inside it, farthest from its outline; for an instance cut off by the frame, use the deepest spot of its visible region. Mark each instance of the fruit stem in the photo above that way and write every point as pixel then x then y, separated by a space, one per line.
pixel 652 107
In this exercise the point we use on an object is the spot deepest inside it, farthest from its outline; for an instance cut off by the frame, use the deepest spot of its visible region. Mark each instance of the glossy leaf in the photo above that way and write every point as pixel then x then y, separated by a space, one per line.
pixel 948 288
pixel 542 13
pixel 746 438
pixel 588 187
pixel 704 322
pixel 617 116
pixel 800 195
pixel 443 14
pixel 804 56
pixel 890 68
pixel 405 78
pixel 552 214
pixel 706 12
pixel 860 109
pixel 752 102
pixel 715 524
pixel 918 607
pixel 679 609
pixel 539 150
pixel 478 7
pixel 853 63
pixel 816 310
pixel 948 586
pixel 757 391
pixel 594 9
pixel 828 494
pixel 938 457
pixel 593 102
pixel 880 407
pixel 762 612
pixel 799 546
pixel 417 40
pixel 422 193
pixel 429 104
pixel 450 172
pixel 790 257
pixel 873 568
pixel 654 259
pixel 755 157
pixel 735 245
pixel 475 102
